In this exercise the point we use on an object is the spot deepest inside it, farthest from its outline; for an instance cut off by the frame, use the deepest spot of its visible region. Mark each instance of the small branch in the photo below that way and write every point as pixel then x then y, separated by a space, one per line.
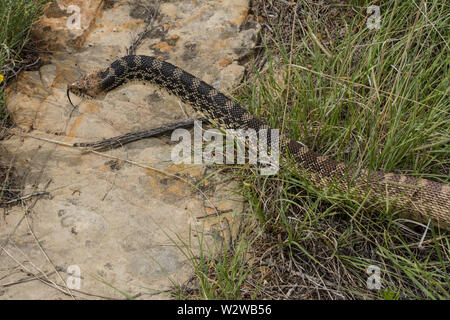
pixel 118 141
pixel 135 43
pixel 28 196
pixel 215 214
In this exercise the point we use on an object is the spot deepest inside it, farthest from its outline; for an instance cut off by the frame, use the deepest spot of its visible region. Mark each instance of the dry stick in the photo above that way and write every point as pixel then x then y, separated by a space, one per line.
pixel 36 194
pixel 213 214
pixel 118 141
pixel 131 50
pixel 24 280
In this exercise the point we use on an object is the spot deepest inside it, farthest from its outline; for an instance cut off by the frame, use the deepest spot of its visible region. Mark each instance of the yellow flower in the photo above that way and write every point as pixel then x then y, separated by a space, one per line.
pixel 1 78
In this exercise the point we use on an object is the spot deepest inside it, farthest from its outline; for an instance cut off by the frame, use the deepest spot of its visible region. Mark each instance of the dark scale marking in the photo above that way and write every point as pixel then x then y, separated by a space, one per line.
pixel 118 68
pixel 149 77
pixel 158 80
pixel 191 99
pixel 186 80
pixel 170 86
pixel 133 76
pixel 111 83
pixel 167 69
pixel 104 74
pixel 204 89
pixel 130 62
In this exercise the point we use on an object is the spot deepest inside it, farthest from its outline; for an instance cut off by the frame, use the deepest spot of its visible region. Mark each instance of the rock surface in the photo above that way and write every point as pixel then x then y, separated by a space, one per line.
pixel 115 219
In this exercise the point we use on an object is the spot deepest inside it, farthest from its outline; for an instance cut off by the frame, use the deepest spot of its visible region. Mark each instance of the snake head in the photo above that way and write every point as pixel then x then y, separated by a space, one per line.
pixel 88 86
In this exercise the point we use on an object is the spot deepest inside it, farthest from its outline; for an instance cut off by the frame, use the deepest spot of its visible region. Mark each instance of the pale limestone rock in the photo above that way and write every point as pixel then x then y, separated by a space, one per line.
pixel 169 9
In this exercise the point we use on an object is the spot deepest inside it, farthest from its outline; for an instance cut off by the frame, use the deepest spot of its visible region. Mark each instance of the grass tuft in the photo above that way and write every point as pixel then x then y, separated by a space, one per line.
pixel 17 16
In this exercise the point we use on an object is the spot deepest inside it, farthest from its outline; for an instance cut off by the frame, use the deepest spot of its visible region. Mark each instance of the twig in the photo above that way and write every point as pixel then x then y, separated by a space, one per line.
pixel 24 280
pixel 219 212
pixel 131 50
pixel 36 194
pixel 118 141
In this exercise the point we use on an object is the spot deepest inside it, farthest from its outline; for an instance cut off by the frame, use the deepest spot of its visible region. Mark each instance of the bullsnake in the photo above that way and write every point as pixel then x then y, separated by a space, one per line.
pixel 418 199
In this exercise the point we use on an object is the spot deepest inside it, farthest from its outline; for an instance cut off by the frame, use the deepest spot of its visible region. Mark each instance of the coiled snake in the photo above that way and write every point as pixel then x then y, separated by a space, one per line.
pixel 418 199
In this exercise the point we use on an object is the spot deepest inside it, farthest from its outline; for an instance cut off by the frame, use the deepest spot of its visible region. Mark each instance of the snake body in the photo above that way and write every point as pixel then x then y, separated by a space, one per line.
pixel 418 199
